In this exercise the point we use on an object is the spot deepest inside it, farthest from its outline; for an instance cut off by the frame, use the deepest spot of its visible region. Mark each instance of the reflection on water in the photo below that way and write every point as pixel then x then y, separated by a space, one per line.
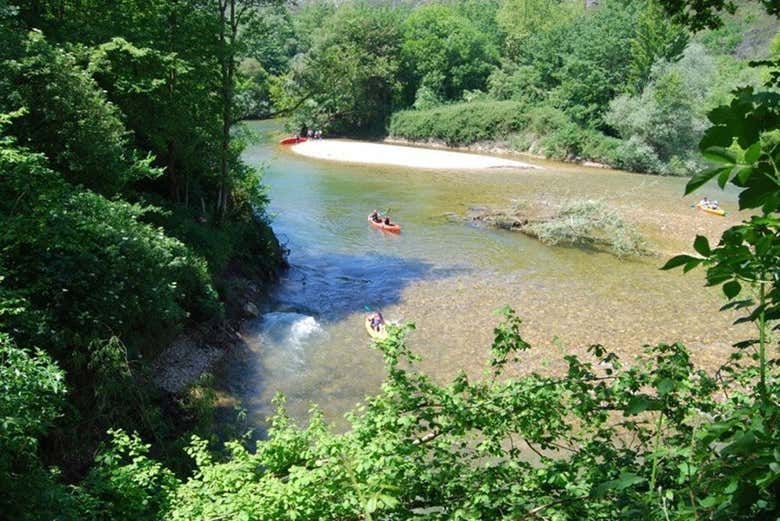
pixel 449 278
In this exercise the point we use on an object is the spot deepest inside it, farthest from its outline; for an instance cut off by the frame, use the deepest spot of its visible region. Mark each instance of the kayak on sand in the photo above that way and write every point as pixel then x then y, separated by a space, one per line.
pixel 381 334
pixel 292 140
pixel 392 227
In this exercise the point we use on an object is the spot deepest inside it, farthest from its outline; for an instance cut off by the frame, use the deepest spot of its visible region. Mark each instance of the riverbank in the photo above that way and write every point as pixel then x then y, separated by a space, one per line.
pixel 201 347
pixel 407 156
pixel 495 148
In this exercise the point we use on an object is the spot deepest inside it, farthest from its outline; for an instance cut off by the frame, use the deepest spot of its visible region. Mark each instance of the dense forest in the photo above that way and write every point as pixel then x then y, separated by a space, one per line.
pixel 126 214
pixel 614 82
pixel 125 209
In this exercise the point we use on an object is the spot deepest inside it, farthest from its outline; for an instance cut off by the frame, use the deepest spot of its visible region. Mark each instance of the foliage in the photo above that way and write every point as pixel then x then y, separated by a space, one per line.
pixel 125 483
pixel 633 92
pixel 589 223
pixel 348 79
pixel 594 64
pixel 68 119
pixel 32 389
pixel 525 20
pixel 604 441
pixel 743 148
pixel 87 264
pixel 662 125
pixel 656 39
pixel 460 123
pixel 445 53
pixel 113 140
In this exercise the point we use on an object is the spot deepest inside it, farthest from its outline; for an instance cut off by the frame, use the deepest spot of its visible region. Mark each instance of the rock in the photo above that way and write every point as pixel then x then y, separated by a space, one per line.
pixel 250 310
pixel 182 363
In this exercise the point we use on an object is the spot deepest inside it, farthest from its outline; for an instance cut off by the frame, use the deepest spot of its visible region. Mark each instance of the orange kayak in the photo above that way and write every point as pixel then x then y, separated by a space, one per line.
pixel 292 140
pixel 392 227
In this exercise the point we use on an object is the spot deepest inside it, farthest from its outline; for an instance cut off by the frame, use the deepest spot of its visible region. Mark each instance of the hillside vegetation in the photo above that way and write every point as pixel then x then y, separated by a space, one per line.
pixel 616 82
pixel 124 210
pixel 123 197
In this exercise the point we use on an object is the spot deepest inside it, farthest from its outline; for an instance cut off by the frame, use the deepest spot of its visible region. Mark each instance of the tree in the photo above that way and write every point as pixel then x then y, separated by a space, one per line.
pixel 445 53
pixel 656 39
pixel 348 82
pixel 68 119
pixel 594 63
pixel 523 20
pixel 32 389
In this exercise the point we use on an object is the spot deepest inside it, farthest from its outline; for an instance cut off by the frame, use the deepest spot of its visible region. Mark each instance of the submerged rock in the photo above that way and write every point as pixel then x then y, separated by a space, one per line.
pixel 250 310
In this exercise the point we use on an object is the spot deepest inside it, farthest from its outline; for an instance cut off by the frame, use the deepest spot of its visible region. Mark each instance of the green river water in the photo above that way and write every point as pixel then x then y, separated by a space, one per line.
pixel 449 277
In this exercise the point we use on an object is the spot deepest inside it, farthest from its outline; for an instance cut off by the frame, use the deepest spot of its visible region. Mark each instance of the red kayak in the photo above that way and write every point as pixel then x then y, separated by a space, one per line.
pixel 292 140
pixel 392 227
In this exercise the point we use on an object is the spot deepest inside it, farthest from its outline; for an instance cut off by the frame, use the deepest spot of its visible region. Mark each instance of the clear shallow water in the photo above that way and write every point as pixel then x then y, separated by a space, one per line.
pixel 449 277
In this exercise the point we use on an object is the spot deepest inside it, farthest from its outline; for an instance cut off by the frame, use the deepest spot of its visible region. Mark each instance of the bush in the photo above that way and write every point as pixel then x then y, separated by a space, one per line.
pixel 637 156
pixel 32 389
pixel 89 266
pixel 551 132
pixel 460 123
pixel 589 223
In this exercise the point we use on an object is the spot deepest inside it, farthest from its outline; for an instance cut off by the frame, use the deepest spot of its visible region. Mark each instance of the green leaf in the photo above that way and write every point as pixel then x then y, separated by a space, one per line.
pixel 677 261
pixel 720 155
pixel 665 386
pixel 753 153
pixel 702 245
pixel 624 481
pixel 731 289
pixel 744 174
pixel 641 403
pixel 723 178
pixel 702 177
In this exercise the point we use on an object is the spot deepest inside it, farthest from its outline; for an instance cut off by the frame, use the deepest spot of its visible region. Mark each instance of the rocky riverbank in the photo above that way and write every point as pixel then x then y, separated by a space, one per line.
pixel 199 349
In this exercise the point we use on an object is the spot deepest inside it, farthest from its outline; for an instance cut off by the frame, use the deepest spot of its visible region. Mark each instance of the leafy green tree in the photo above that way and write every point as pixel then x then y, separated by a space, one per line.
pixel 669 115
pixel 349 79
pixel 657 38
pixel 88 265
pixel 32 389
pixel 523 20
pixel 444 52
pixel 68 119
pixel 594 62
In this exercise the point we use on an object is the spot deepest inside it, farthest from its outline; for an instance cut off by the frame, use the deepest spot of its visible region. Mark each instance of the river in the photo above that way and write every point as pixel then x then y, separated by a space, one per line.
pixel 449 277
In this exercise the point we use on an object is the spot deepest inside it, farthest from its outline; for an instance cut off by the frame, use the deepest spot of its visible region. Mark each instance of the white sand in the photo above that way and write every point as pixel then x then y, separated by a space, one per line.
pixel 381 154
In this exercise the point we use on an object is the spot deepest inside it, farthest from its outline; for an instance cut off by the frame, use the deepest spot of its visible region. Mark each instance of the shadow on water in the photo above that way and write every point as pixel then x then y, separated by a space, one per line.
pixel 291 348
pixel 332 286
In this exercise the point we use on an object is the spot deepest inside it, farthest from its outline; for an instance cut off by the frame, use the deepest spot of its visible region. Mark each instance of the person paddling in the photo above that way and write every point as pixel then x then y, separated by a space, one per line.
pixel 377 320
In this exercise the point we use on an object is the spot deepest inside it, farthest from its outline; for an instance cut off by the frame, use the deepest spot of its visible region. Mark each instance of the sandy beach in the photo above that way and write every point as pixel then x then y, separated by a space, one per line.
pixel 381 154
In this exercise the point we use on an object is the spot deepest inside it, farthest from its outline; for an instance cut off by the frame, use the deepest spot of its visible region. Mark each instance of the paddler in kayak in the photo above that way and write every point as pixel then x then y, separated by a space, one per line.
pixel 375 216
pixel 377 320
pixel 706 203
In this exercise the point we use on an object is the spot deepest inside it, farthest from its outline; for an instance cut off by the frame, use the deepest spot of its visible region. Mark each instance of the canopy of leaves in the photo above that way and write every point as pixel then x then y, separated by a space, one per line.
pixel 87 264
pixel 349 78
pixel 445 52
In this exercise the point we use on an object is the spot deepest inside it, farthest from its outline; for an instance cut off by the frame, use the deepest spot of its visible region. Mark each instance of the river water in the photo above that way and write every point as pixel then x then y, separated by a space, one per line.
pixel 449 277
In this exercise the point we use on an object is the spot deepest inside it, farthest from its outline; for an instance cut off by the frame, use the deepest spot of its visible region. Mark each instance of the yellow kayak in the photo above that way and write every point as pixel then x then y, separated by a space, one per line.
pixel 373 333
pixel 713 211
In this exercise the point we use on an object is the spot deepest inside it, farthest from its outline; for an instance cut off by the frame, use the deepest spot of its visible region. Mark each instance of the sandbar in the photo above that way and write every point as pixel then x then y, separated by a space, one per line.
pixel 382 154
